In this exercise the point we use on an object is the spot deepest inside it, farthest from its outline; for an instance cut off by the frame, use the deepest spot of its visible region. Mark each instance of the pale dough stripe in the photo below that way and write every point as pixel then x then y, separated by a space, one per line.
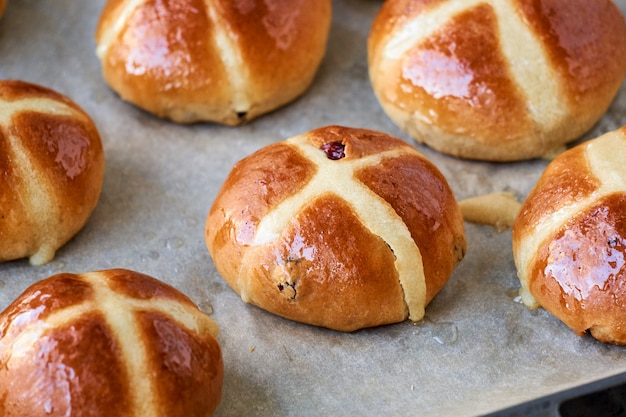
pixel 530 68
pixel 8 109
pixel 235 68
pixel 605 157
pixel 119 312
pixel 125 329
pixel 38 195
pixel 527 59
pixel 338 177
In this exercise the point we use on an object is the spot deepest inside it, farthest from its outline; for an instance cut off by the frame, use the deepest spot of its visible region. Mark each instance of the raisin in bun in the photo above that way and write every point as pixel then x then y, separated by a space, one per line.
pixel 341 228
pixel 497 80
pixel 51 171
pixel 107 343
pixel 569 240
pixel 211 60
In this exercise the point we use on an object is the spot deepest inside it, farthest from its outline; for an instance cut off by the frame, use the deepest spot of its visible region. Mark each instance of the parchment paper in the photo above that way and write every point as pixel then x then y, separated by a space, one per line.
pixel 476 352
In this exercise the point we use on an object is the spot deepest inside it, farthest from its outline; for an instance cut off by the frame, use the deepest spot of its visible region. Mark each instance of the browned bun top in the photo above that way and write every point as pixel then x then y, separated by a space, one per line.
pixel 339 227
pixel 51 170
pixel 497 80
pixel 3 4
pixel 107 343
pixel 211 60
pixel 569 240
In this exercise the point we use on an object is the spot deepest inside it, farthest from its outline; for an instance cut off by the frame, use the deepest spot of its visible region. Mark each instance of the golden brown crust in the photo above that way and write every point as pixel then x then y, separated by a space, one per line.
pixel 211 60
pixel 457 76
pixel 336 243
pixel 569 240
pixel 59 325
pixel 52 166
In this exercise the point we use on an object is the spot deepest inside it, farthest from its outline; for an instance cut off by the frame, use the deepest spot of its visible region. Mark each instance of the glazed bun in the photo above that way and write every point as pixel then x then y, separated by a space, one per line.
pixel 569 240
pixel 211 60
pixel 339 227
pixel 51 171
pixel 497 80
pixel 107 343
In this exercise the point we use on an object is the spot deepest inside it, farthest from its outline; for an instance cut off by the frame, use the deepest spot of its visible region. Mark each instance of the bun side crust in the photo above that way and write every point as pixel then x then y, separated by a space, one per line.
pixel 341 248
pixel 569 240
pixel 52 163
pixel 144 347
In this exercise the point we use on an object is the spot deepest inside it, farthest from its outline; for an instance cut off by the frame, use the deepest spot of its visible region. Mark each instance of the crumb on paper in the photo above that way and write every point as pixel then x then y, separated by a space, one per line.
pixel 251 348
pixel 497 209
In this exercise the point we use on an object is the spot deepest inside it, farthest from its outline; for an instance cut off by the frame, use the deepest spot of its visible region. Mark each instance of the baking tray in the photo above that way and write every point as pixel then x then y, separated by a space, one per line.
pixel 477 352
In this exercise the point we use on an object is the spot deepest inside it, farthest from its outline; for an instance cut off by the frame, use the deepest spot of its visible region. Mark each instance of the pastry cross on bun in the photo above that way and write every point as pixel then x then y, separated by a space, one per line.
pixel 498 80
pixel 339 227
pixel 51 171
pixel 107 343
pixel 569 239
pixel 211 60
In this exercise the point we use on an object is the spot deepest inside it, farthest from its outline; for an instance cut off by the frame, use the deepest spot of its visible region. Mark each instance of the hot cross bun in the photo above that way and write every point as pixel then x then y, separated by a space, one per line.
pixel 339 227
pixel 498 80
pixel 51 171
pixel 569 239
pixel 107 343
pixel 212 60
